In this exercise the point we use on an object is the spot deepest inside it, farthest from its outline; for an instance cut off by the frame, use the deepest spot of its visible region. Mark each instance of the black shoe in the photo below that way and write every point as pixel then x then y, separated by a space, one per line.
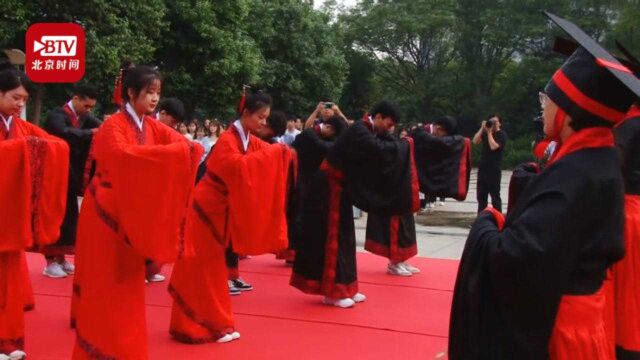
pixel 241 285
pixel 232 289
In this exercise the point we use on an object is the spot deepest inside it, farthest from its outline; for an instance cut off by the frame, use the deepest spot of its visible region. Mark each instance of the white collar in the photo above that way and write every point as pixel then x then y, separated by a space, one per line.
pixel 70 105
pixel 7 122
pixel 133 114
pixel 370 120
pixel 243 137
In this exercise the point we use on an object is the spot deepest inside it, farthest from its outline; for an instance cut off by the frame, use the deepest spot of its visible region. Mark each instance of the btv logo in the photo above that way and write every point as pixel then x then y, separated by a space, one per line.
pixel 56 46
pixel 55 52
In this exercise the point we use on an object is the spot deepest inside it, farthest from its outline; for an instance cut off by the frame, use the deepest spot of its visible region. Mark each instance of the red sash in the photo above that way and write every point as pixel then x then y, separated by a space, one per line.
pixel 72 115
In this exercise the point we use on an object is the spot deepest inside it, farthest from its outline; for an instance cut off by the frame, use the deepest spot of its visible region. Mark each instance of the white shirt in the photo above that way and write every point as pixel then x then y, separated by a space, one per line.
pixel 70 104
pixel 7 122
pixel 133 114
pixel 243 137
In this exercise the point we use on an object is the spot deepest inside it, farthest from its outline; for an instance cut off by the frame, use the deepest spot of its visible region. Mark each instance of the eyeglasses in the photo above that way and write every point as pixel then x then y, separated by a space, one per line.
pixel 543 99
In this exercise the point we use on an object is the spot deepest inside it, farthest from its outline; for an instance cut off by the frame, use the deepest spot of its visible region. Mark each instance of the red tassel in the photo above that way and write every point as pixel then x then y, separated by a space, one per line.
pixel 243 99
pixel 117 90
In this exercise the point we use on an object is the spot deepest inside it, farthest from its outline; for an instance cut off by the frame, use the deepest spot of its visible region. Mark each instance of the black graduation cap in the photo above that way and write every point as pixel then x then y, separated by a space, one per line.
pixel 592 84
pixel 567 47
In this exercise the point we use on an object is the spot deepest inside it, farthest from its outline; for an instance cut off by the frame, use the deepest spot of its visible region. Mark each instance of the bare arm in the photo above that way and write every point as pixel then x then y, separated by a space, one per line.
pixel 477 138
pixel 493 144
pixel 314 115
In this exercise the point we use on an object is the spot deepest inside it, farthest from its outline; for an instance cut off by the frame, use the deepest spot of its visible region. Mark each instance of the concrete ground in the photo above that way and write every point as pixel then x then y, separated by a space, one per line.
pixel 443 242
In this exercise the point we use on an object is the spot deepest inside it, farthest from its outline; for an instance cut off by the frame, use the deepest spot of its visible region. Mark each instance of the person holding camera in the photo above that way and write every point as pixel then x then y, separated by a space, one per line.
pixel 324 111
pixel 493 140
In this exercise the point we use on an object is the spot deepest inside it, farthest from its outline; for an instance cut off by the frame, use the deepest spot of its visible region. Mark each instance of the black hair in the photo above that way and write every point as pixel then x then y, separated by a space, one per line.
pixel 497 117
pixel 578 124
pixel 277 121
pixel 449 124
pixel 138 78
pixel 85 91
pixel 386 109
pixel 257 101
pixel 338 123
pixel 11 78
pixel 173 107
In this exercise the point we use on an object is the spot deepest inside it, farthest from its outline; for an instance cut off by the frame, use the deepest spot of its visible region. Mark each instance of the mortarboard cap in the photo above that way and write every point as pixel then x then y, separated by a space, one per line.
pixel 591 83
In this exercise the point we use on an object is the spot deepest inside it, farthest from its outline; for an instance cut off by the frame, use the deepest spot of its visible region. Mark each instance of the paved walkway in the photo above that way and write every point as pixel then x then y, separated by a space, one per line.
pixel 443 242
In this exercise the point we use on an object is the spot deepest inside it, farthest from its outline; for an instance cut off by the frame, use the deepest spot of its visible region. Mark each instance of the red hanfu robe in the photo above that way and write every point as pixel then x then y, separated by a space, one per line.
pixel 133 210
pixel 241 198
pixel 626 273
pixel 31 211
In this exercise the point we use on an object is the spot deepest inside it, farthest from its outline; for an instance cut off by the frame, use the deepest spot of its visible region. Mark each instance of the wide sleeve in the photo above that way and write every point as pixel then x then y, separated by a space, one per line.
pixel 152 185
pixel 514 276
pixel 33 194
pixel 380 173
pixel 257 189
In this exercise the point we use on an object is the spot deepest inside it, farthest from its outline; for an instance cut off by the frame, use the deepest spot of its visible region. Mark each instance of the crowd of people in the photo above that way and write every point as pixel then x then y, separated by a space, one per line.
pixel 546 281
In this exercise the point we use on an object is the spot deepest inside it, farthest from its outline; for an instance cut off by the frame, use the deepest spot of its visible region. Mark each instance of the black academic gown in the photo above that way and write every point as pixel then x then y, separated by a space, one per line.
pixel 443 163
pixel 393 234
pixel 562 235
pixel 59 123
pixel 311 150
pixel 360 169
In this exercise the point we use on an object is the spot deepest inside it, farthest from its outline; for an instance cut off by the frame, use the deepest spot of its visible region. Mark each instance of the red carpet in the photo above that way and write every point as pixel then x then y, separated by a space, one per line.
pixel 403 318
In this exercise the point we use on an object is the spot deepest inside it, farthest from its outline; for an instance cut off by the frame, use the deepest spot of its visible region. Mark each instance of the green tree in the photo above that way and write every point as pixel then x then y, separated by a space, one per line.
pixel 412 43
pixel 207 55
pixel 303 59
pixel 114 30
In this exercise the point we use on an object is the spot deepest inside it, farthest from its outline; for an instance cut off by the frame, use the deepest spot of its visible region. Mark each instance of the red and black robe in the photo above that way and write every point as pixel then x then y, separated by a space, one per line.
pixel 394 235
pixel 443 163
pixel 77 132
pixel 133 211
pixel 626 273
pixel 530 287
pixel 32 205
pixel 361 169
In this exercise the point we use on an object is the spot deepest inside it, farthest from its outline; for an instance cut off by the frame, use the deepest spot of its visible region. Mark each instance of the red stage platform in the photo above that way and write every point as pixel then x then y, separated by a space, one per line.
pixel 403 318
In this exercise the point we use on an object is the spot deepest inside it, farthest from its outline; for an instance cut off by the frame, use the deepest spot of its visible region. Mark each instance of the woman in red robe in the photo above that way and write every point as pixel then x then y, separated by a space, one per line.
pixel 31 210
pixel 133 211
pixel 241 198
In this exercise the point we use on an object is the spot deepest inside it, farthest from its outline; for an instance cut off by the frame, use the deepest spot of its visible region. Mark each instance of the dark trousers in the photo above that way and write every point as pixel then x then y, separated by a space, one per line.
pixel 232 263
pixel 489 185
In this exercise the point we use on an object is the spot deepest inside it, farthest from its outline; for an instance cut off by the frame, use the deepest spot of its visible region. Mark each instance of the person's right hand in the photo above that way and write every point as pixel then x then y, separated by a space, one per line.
pixel 320 107
pixel 483 126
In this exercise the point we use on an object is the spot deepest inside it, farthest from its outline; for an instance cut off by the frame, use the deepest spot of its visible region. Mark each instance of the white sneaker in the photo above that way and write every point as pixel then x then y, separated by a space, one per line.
pixel 341 303
pixel 412 269
pixel 4 357
pixel 440 203
pixel 156 278
pixel 235 335
pixel 359 297
pixel 397 269
pixel 68 267
pixel 429 206
pixel 225 339
pixel 54 270
pixel 18 355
